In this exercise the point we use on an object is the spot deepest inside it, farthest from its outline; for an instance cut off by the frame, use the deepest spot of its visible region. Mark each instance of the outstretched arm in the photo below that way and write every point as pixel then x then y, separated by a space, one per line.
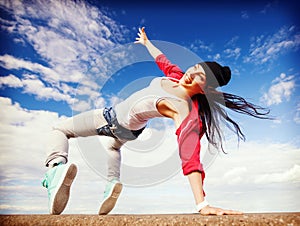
pixel 143 39
pixel 196 186
pixel 170 70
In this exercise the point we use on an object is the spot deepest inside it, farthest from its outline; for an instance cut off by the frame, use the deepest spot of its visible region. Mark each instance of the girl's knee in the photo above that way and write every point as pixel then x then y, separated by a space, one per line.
pixel 63 127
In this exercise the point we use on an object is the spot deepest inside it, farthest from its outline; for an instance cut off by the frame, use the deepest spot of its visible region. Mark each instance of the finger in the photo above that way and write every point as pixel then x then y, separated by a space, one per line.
pixel 137 40
pixel 237 212
pixel 219 213
pixel 232 212
pixel 205 211
pixel 211 211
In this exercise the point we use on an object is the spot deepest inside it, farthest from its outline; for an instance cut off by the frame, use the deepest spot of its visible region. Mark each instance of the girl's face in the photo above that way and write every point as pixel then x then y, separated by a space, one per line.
pixel 194 79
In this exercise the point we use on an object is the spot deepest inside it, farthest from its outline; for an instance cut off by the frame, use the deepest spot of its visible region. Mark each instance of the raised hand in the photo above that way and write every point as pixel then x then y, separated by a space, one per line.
pixel 142 39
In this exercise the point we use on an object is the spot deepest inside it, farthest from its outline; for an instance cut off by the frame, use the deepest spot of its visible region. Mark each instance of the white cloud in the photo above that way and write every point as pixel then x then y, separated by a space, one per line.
pixel 253 162
pixel 34 84
pixel 265 49
pixel 235 175
pixel 245 15
pixel 148 156
pixel 215 57
pixel 281 89
pixel 289 175
pixel 10 81
pixel 267 7
pixel 297 115
pixel 232 42
pixel 22 140
pixel 37 87
pixel 233 53
pixel 81 106
pixel 115 100
pixel 71 49
pixel 10 62
pixel 199 45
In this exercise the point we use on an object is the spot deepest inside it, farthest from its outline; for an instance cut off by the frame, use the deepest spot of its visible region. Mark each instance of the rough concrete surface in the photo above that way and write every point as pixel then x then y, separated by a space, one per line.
pixel 288 219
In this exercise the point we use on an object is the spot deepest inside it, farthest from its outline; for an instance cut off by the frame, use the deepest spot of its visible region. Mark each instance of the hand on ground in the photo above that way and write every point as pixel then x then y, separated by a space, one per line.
pixel 209 210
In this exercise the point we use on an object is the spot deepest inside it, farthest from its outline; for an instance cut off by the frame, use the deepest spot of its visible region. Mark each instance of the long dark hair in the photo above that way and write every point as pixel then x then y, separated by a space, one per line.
pixel 212 111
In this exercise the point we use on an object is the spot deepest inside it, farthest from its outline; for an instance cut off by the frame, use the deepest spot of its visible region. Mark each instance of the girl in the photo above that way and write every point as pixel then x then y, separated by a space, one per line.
pixel 190 99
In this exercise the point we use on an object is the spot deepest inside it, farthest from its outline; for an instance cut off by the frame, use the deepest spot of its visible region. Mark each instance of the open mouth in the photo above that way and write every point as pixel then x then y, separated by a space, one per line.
pixel 187 79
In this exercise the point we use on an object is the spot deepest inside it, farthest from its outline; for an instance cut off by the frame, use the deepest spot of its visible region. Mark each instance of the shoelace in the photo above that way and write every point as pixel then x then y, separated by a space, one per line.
pixel 45 182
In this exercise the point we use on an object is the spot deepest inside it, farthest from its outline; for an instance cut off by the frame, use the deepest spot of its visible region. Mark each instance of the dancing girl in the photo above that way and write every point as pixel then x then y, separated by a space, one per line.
pixel 189 98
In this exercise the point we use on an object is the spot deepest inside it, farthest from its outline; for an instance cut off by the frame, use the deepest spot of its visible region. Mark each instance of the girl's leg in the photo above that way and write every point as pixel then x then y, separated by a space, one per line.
pixel 114 187
pixel 114 159
pixel 58 180
pixel 81 125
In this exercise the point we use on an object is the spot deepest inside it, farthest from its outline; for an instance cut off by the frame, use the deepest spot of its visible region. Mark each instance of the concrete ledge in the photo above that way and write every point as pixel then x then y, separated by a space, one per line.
pixel 287 219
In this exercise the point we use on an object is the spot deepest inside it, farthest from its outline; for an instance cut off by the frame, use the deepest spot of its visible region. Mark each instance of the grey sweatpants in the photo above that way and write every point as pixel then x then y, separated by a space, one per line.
pixel 82 125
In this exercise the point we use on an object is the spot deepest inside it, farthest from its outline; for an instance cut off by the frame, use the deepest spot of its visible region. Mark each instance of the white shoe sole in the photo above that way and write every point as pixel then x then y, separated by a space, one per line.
pixel 109 203
pixel 62 192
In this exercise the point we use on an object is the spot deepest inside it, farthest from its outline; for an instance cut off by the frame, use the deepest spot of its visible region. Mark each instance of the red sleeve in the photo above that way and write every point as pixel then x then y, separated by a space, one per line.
pixel 189 151
pixel 188 137
pixel 169 69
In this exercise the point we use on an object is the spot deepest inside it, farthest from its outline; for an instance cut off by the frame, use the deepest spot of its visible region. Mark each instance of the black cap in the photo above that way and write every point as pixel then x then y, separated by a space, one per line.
pixel 216 75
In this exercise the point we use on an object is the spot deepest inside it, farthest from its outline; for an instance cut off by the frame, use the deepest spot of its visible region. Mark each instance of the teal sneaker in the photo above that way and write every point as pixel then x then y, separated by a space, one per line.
pixel 58 181
pixel 111 195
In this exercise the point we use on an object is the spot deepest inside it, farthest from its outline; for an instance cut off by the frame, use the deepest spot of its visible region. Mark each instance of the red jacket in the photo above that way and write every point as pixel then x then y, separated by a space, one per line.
pixel 190 131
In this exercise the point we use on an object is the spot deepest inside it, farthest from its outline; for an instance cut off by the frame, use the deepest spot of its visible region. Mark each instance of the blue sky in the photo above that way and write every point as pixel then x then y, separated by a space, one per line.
pixel 59 58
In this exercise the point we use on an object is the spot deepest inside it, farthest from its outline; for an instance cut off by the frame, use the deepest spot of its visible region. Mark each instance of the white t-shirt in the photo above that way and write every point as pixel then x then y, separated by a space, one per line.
pixel 134 112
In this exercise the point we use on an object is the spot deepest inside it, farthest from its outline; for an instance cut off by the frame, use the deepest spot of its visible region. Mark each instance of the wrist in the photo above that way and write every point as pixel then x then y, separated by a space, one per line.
pixel 201 205
pixel 147 42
